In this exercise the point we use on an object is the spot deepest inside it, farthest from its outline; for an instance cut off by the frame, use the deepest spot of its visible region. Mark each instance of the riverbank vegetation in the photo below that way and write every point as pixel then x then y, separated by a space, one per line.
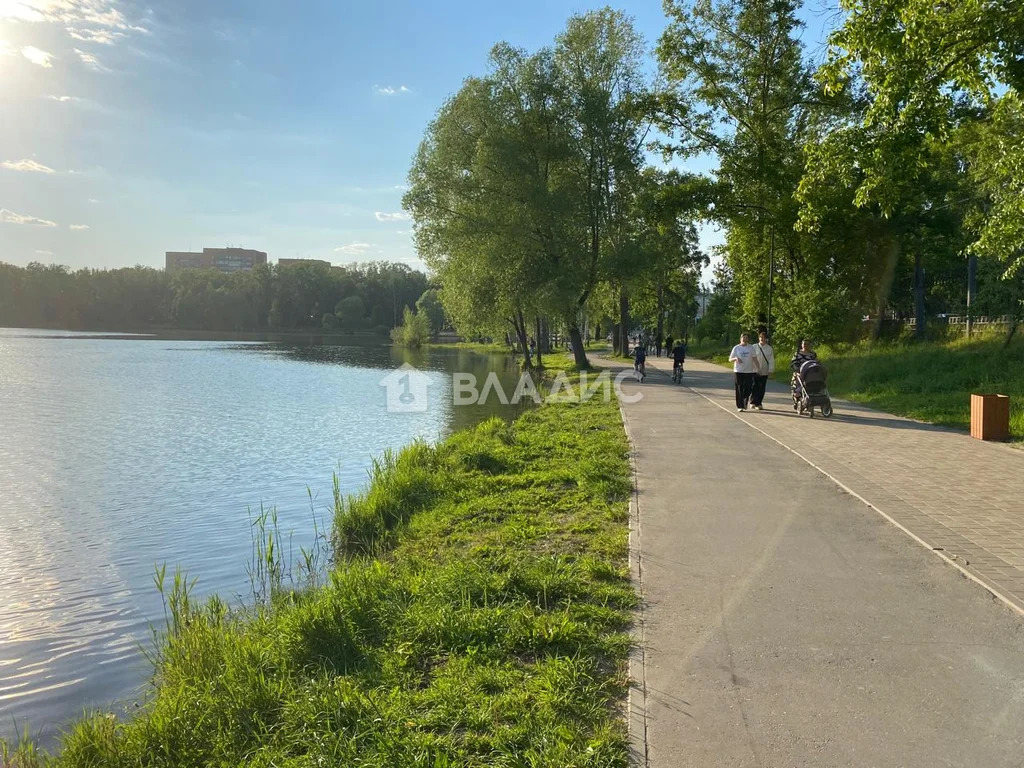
pixel 476 615
pixel 414 332
pixel 929 381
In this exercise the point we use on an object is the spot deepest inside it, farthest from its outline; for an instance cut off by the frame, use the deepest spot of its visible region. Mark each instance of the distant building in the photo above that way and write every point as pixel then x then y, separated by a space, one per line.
pixel 223 259
pixel 293 262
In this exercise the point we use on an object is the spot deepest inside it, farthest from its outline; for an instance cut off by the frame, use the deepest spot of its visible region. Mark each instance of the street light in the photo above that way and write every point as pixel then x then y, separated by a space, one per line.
pixel 771 280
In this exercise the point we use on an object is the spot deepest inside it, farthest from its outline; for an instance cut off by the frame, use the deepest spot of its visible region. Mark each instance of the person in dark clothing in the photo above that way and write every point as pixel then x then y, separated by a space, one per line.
pixel 678 357
pixel 640 360
pixel 668 345
pixel 803 354
pixel 658 342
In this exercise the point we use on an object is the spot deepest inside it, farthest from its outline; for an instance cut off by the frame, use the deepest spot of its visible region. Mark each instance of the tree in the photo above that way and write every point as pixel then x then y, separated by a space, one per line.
pixel 430 305
pixel 599 60
pixel 519 179
pixel 414 331
pixel 928 68
pixel 350 313
pixel 482 198
pixel 738 88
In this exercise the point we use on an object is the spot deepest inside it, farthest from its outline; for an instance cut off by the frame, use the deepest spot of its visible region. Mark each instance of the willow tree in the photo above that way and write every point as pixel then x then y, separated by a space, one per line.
pixel 520 179
pixel 599 61
pixel 487 212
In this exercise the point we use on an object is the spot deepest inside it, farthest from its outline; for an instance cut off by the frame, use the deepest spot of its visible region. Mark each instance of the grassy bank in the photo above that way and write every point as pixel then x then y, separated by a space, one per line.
pixel 477 615
pixel 930 381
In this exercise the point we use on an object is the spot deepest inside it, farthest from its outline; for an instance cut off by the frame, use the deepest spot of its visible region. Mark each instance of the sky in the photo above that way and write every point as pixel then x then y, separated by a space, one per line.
pixel 128 128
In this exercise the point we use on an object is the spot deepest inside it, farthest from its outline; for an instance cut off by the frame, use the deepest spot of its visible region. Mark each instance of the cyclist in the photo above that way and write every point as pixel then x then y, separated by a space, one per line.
pixel 639 359
pixel 678 358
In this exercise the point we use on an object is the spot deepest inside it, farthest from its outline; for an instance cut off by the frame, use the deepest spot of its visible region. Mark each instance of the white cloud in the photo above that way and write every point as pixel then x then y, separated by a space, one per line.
pixel 36 56
pixel 45 253
pixel 72 13
pixel 78 226
pixel 93 200
pixel 101 36
pixel 6 50
pixel 90 61
pixel 63 99
pixel 397 216
pixel 356 249
pixel 390 90
pixel 30 166
pixel 10 217
pixel 21 10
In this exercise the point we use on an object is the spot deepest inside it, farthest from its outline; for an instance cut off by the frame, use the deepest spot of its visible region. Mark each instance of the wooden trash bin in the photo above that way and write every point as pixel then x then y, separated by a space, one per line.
pixel 990 417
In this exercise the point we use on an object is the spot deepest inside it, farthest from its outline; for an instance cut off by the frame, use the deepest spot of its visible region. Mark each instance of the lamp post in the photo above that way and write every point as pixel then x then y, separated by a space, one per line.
pixel 771 280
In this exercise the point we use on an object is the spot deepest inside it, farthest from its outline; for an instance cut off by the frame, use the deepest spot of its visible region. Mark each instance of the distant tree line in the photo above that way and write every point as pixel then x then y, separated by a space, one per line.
pixel 368 297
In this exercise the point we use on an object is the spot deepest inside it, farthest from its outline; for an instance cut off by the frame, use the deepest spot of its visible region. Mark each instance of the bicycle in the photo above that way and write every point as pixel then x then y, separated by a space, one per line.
pixel 677 373
pixel 640 369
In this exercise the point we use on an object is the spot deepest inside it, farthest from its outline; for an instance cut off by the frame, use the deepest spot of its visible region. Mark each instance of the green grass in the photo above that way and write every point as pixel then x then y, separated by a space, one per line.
pixel 477 615
pixel 931 381
pixel 476 346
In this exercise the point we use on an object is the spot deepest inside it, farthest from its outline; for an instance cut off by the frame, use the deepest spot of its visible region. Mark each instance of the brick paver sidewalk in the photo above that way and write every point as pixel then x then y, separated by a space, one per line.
pixel 961 497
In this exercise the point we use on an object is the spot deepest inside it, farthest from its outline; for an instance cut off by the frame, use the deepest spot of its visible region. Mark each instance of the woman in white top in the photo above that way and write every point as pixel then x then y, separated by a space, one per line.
pixel 742 359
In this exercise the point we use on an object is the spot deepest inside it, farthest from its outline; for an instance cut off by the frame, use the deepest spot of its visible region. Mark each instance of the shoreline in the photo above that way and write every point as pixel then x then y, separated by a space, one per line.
pixel 479 605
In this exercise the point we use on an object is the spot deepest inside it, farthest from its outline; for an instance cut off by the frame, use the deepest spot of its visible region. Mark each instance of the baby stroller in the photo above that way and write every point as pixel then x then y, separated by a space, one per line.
pixel 809 390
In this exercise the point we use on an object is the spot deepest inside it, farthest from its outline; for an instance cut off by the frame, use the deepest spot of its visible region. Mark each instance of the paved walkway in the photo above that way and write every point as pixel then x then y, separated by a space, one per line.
pixel 785 622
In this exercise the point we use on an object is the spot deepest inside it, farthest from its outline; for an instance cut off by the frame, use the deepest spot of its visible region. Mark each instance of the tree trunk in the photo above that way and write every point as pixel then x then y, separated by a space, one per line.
pixel 520 325
pixel 578 352
pixel 623 322
pixel 537 337
pixel 1018 310
pixel 544 342
pixel 661 316
pixel 919 316
pixel 616 340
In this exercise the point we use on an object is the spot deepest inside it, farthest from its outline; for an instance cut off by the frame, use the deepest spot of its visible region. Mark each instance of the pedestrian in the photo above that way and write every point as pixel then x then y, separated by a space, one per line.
pixel 658 343
pixel 742 359
pixel 668 345
pixel 804 353
pixel 764 362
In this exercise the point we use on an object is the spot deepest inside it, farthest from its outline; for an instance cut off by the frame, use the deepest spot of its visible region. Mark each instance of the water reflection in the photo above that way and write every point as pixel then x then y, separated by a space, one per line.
pixel 117 454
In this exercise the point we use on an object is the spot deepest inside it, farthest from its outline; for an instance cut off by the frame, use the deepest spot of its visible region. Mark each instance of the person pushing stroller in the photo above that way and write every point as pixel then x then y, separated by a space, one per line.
pixel 807 384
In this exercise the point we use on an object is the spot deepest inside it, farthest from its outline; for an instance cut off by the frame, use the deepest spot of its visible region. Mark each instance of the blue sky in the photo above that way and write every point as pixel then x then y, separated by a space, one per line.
pixel 132 128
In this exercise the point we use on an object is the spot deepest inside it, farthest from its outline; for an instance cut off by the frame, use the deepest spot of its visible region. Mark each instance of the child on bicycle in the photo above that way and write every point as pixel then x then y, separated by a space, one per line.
pixel 639 359
pixel 678 358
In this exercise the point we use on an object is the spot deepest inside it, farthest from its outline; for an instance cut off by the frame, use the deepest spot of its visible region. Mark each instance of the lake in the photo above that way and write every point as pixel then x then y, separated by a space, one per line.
pixel 119 454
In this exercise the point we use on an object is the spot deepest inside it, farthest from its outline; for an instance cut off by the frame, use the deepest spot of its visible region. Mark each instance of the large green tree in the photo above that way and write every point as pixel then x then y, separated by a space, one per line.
pixel 739 90
pixel 521 190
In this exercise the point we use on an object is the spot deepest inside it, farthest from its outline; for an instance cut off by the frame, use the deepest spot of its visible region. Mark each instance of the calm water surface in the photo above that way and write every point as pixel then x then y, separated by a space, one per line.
pixel 120 454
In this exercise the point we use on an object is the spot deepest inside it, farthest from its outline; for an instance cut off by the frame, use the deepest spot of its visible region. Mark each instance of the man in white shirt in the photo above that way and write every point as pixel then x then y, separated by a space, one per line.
pixel 764 362
pixel 742 359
